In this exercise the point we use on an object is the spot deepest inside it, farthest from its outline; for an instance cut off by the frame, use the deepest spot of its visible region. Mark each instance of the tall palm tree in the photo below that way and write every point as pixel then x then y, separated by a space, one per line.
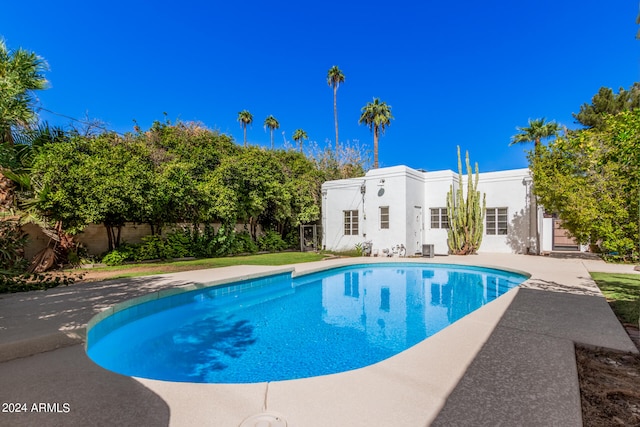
pixel 334 78
pixel 245 118
pixel 271 123
pixel 377 116
pixel 299 135
pixel 21 73
pixel 536 132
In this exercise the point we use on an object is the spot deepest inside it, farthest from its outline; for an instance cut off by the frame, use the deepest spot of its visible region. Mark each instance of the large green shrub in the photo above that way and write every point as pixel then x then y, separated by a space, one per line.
pixel 243 243
pixel 272 242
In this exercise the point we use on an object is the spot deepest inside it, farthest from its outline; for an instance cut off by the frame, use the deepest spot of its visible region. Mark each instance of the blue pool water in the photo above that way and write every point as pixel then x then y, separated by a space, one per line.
pixel 278 328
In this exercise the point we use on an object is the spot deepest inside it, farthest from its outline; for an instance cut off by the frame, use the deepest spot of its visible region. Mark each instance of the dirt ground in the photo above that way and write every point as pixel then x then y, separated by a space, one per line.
pixel 609 385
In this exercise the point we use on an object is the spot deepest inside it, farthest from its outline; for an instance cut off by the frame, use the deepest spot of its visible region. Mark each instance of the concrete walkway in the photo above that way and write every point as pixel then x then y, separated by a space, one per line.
pixel 512 362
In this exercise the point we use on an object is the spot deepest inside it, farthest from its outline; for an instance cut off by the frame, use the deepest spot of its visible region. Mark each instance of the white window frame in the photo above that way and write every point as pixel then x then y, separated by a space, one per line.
pixel 496 221
pixel 442 220
pixel 351 223
pixel 384 223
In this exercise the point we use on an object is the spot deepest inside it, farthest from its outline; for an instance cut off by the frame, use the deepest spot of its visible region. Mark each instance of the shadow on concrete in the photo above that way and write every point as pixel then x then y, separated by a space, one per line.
pixel 79 393
pixel 525 374
pixel 37 321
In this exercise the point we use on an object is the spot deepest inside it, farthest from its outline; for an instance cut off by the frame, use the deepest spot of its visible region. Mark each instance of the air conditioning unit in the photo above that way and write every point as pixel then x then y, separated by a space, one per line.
pixel 428 251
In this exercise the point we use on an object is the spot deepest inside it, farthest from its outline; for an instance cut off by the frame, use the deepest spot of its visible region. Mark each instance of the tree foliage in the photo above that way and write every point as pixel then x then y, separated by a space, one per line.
pixel 21 74
pixel 538 130
pixel 466 216
pixel 174 174
pixel 590 178
pixel 272 124
pixel 377 116
pixel 606 102
pixel 299 135
pixel 245 118
pixel 104 180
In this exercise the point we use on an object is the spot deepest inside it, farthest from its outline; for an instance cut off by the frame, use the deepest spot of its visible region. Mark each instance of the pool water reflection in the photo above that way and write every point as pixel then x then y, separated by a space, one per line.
pixel 278 328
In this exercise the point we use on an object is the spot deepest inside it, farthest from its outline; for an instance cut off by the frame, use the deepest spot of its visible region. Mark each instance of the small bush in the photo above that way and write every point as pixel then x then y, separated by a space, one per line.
pixel 272 242
pixel 243 243
pixel 177 245
pixel 119 256
pixel 152 247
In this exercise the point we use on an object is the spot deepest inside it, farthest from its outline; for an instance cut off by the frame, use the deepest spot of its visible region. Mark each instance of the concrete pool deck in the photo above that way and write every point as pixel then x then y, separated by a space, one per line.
pixel 511 362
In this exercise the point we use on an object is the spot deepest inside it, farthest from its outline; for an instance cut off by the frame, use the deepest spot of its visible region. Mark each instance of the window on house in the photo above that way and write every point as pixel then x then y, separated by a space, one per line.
pixel 496 221
pixel 351 223
pixel 439 218
pixel 384 217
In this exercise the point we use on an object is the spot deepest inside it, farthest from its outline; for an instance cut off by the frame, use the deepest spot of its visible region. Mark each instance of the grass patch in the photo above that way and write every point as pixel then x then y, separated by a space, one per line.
pixel 623 293
pixel 162 267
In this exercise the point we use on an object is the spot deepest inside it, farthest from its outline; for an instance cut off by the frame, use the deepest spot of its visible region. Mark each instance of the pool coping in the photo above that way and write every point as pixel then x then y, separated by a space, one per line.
pixel 533 328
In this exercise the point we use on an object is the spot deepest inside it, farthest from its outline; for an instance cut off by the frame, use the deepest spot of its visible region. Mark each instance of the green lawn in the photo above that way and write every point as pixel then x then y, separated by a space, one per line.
pixel 145 269
pixel 623 293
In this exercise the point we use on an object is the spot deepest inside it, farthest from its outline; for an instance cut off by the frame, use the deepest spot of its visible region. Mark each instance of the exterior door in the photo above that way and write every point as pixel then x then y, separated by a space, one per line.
pixel 418 227
pixel 561 239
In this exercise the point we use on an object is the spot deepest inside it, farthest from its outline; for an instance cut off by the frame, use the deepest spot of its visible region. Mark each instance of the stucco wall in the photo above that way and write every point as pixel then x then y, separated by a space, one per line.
pixel 508 189
pixel 408 193
pixel 387 187
pixel 437 185
pixel 337 197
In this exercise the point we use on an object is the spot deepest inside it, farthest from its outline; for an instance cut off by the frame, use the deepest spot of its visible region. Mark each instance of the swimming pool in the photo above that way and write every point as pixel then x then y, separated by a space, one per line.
pixel 278 327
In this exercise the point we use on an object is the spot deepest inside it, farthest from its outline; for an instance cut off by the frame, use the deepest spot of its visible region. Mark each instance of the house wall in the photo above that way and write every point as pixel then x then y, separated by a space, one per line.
pixel 415 208
pixel 437 185
pixel 337 197
pixel 410 195
pixel 386 189
pixel 509 189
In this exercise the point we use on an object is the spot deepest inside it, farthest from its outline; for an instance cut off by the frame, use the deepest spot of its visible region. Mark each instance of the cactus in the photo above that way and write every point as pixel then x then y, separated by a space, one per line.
pixel 466 217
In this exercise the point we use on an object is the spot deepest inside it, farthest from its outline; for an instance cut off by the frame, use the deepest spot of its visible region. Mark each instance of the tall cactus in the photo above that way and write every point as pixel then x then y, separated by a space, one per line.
pixel 466 217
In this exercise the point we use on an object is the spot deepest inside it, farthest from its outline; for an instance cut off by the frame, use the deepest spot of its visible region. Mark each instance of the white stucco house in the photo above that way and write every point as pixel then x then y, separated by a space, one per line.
pixel 399 209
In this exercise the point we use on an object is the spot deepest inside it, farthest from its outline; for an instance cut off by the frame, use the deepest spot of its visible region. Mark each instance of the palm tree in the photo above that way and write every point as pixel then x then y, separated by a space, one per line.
pixel 245 118
pixel 21 73
pixel 536 132
pixel 334 78
pixel 377 116
pixel 271 123
pixel 299 135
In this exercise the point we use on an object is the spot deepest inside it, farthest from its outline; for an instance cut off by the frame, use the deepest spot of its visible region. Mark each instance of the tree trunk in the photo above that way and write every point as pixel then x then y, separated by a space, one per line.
pixel 244 128
pixel 375 146
pixel 335 112
pixel 118 236
pixel 109 236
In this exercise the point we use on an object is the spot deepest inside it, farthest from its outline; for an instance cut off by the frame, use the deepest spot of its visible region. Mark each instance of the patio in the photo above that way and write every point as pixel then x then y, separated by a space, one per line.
pixel 510 362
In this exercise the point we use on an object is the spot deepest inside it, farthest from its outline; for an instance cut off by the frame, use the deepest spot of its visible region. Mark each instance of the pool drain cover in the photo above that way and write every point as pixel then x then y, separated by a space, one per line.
pixel 265 419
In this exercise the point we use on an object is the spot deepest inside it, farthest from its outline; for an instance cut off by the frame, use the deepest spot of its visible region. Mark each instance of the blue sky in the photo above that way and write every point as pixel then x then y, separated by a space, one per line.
pixel 455 73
